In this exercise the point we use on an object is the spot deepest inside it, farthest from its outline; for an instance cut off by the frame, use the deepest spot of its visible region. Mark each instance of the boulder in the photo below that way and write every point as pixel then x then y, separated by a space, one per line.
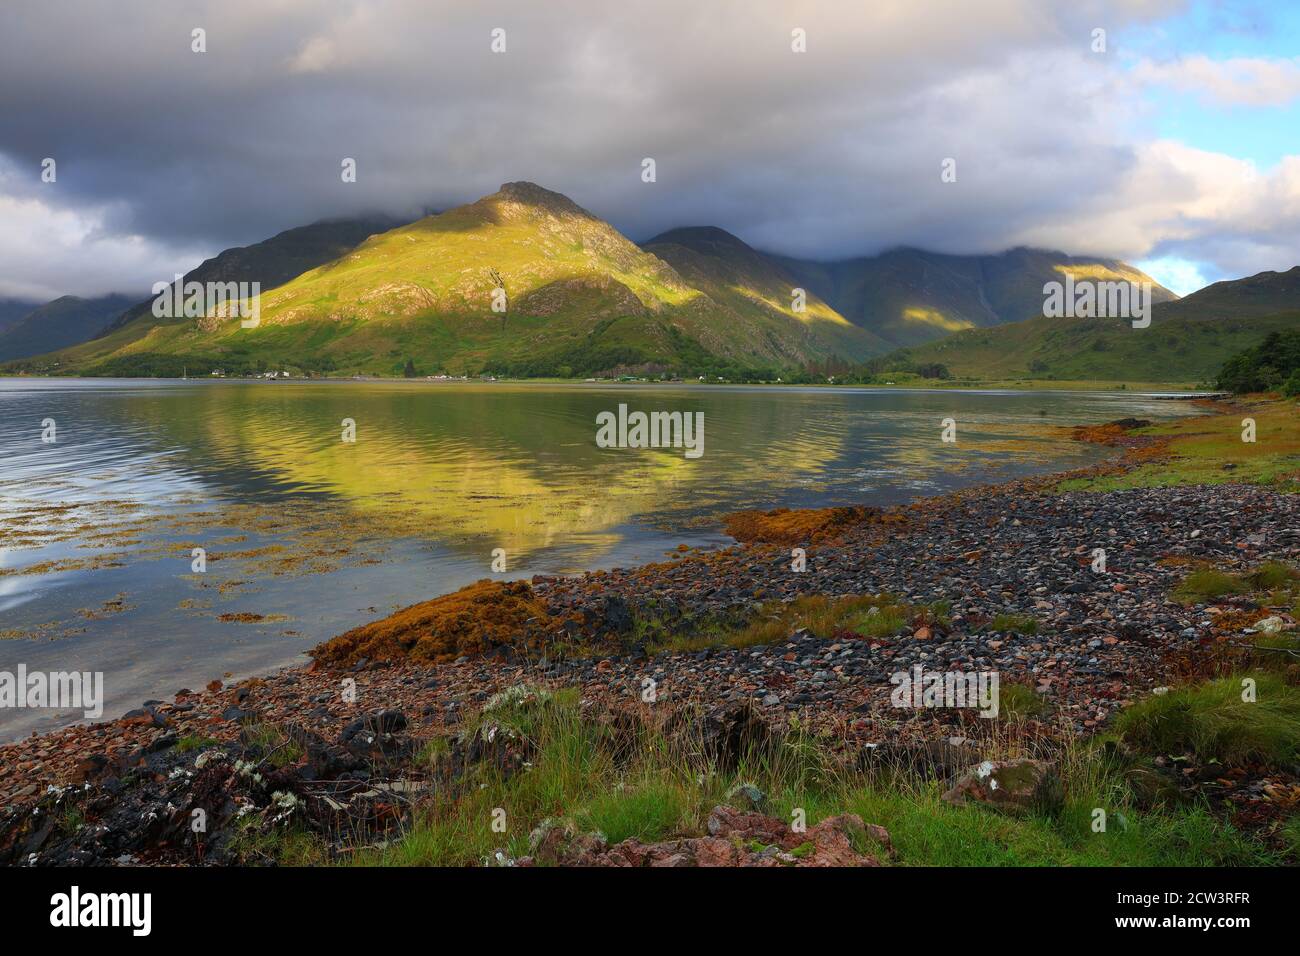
pixel 1016 785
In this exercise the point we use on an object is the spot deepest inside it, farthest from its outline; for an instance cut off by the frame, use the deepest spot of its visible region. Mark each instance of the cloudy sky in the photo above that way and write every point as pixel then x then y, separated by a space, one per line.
pixel 1175 147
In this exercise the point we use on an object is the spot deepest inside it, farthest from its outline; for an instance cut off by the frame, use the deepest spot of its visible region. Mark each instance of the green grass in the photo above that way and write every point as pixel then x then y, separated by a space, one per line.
pixel 1273 575
pixel 286 845
pixel 1018 701
pixel 1291 833
pixel 1209 450
pixel 863 616
pixel 879 621
pixel 277 748
pixel 928 832
pixel 1207 584
pixel 1212 721
pixel 1014 623
pixel 649 809
pixel 1182 348
pixel 654 788
pixel 1272 584
pixel 193 742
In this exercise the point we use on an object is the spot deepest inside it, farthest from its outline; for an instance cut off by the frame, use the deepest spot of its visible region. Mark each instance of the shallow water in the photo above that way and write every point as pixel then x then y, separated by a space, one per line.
pixel 317 535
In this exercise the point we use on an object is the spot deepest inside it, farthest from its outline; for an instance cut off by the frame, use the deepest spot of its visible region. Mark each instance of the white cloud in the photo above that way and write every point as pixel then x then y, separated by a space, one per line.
pixel 50 252
pixel 1237 81
pixel 1192 204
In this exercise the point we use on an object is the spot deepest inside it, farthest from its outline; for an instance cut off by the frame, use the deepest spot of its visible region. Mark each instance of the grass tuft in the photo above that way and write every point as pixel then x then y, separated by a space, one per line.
pixel 1212 721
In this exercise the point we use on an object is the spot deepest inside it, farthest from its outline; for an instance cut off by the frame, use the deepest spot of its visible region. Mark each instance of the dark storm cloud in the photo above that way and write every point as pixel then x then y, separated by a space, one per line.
pixel 165 154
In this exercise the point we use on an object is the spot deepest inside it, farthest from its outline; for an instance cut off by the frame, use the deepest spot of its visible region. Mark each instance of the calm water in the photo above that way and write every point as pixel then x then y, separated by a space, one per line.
pixel 306 535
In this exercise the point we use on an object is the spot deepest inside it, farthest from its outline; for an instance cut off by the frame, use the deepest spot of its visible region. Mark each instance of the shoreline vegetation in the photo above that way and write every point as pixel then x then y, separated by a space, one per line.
pixel 721 709
pixel 1269 364
pixel 1198 390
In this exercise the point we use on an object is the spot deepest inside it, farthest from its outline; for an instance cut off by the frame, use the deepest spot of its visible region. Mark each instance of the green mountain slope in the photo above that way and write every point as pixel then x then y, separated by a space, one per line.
pixel 65 321
pixel 1188 340
pixel 909 296
pixel 580 297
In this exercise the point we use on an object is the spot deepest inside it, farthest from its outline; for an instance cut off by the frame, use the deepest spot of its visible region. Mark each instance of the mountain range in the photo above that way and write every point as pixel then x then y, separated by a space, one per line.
pixel 1188 340
pixel 376 295
pixel 65 321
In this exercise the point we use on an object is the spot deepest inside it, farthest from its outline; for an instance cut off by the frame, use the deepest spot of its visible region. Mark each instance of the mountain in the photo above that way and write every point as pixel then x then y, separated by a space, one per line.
pixel 275 261
pixel 750 283
pixel 65 321
pixel 365 296
pixel 1188 339
pixel 11 310
pixel 909 296
pixel 580 297
pixel 271 262
pixel 1267 293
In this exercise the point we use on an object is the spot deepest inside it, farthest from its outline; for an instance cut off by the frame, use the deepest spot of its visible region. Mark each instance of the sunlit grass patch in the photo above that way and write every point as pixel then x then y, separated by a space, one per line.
pixel 1210 450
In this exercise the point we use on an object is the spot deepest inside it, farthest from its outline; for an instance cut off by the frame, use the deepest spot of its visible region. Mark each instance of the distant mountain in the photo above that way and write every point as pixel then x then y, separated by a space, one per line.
pixel 1188 340
pixel 909 296
pixel 11 310
pixel 580 297
pixel 66 321
pixel 1266 293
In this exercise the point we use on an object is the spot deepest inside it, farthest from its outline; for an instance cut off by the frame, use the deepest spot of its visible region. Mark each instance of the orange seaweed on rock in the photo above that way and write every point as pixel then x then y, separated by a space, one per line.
pixel 1111 433
pixel 473 620
pixel 804 526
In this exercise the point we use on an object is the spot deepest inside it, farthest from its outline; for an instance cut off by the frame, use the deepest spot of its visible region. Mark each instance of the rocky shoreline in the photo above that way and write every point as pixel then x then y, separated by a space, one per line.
pixel 1013 565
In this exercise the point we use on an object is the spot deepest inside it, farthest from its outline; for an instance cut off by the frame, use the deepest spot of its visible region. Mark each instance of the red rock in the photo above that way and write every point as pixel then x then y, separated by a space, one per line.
pixel 735 838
